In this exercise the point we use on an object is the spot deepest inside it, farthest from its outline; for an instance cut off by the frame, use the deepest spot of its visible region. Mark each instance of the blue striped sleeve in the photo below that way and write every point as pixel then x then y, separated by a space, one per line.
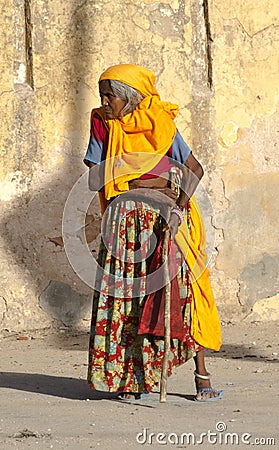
pixel 95 151
pixel 180 150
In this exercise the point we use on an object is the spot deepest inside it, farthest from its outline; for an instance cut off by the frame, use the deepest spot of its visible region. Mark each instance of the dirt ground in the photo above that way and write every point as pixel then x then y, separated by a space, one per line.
pixel 46 403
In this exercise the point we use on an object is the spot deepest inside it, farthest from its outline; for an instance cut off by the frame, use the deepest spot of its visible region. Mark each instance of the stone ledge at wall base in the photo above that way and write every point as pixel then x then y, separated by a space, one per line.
pixel 265 310
pixel 56 328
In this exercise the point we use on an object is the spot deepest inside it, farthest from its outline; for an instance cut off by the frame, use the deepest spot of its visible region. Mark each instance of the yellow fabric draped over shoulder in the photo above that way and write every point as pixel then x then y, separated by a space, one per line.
pixel 205 322
pixel 140 139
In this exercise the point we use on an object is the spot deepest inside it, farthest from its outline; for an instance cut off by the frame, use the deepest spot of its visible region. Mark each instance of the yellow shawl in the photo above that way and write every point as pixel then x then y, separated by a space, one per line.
pixel 205 324
pixel 140 139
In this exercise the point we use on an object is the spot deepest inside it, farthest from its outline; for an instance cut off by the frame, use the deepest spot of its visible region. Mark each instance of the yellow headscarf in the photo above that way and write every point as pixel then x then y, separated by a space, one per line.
pixel 140 139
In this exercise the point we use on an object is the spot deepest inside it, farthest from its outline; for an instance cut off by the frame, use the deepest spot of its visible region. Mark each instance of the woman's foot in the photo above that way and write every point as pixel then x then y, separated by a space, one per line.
pixel 205 392
pixel 125 396
pixel 132 396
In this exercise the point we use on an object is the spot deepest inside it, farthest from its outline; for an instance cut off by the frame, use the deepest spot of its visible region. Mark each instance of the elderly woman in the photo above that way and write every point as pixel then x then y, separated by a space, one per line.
pixel 139 151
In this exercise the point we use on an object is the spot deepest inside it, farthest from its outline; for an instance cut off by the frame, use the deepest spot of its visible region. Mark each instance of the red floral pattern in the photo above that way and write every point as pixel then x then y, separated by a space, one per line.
pixel 121 360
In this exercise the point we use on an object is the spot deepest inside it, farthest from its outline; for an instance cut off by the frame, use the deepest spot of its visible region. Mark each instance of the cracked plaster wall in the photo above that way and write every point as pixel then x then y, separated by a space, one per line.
pixel 48 87
pixel 245 104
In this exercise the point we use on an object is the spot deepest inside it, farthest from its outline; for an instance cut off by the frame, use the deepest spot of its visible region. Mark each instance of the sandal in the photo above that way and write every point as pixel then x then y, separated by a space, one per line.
pixel 218 396
pixel 134 396
pixel 200 398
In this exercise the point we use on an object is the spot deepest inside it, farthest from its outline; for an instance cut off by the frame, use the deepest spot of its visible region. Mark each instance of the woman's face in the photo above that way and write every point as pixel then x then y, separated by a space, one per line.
pixel 112 105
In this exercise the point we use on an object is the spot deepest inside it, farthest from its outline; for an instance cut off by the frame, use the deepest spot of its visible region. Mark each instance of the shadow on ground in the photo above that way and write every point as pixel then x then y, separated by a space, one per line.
pixel 229 351
pixel 63 387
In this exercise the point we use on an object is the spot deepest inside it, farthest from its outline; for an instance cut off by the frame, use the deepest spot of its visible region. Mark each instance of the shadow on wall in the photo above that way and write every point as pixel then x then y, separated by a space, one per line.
pixel 37 215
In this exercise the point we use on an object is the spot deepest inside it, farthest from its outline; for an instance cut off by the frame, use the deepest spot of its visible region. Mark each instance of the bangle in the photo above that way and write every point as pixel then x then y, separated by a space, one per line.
pixel 179 214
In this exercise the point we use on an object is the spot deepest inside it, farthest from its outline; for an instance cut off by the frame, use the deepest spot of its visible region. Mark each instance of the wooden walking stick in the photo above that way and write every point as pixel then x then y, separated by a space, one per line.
pixel 174 184
pixel 164 373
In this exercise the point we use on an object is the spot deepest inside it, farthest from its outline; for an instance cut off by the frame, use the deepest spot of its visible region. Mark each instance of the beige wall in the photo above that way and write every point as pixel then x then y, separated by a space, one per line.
pixel 228 96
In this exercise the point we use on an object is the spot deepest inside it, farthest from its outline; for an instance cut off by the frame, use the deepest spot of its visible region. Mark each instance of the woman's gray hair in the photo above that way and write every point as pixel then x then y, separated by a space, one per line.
pixel 127 94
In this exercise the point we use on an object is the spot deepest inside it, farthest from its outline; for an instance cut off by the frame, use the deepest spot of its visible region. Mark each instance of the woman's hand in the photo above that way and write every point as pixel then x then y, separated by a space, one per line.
pixel 173 225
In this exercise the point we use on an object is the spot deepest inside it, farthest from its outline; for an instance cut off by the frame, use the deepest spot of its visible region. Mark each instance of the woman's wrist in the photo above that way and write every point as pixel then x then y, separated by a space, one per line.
pixel 179 214
pixel 182 200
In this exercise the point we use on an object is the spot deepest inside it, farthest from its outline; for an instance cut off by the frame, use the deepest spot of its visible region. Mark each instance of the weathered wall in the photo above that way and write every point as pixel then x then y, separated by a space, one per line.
pixel 245 104
pixel 220 64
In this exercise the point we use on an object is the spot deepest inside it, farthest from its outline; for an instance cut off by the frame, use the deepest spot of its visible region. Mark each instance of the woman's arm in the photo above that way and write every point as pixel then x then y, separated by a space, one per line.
pixel 91 177
pixel 95 180
pixel 96 151
pixel 192 174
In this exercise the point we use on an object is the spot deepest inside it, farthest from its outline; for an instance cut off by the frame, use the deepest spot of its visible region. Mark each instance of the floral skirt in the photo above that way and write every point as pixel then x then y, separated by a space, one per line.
pixel 121 360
